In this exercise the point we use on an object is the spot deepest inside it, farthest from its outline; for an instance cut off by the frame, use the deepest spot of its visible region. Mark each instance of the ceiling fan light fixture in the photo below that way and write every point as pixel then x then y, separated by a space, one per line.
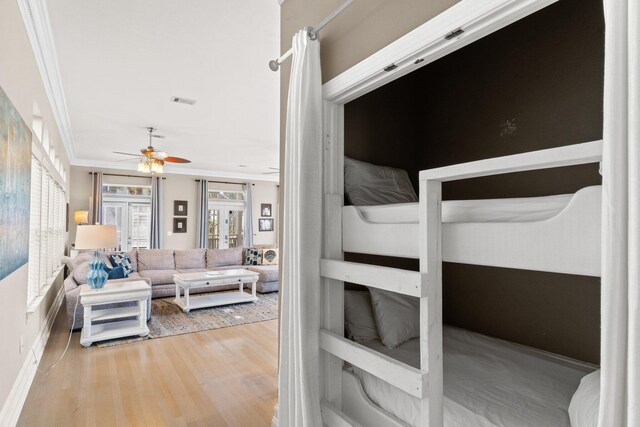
pixel 157 166
pixel 143 166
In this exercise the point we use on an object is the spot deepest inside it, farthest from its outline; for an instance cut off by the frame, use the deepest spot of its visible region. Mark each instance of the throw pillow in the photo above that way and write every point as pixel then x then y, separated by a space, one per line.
pixel 122 259
pixel 253 256
pixel 397 316
pixel 358 316
pixel 269 256
pixel 115 272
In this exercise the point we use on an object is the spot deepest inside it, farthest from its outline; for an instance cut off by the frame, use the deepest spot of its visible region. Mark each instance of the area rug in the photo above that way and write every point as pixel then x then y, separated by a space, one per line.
pixel 167 319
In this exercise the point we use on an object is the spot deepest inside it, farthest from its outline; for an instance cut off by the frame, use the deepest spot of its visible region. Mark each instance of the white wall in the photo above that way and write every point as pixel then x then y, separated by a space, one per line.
pixel 20 79
pixel 176 187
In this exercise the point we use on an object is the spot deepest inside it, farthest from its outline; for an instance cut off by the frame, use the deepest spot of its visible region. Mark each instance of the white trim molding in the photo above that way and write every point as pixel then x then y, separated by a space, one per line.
pixel 12 408
pixel 177 170
pixel 36 20
pixel 456 27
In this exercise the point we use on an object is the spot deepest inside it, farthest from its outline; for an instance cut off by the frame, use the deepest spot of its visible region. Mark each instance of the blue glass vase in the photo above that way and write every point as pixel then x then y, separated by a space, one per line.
pixel 97 276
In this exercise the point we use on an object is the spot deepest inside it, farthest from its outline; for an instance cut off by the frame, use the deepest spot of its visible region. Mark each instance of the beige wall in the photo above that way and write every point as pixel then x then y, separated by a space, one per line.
pixel 176 187
pixel 20 79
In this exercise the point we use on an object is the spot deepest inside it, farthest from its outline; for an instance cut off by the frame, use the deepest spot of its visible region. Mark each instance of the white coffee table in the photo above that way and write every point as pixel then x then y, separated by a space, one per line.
pixel 137 291
pixel 213 279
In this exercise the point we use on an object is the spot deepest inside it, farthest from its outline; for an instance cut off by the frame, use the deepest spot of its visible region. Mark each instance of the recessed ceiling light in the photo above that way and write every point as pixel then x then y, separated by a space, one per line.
pixel 180 100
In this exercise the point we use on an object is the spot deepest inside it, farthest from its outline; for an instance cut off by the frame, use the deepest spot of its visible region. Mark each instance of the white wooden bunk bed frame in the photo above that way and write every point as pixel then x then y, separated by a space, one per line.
pixel 343 399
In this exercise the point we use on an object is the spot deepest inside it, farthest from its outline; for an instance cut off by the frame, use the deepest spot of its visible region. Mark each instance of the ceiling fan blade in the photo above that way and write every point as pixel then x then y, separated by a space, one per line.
pixel 158 136
pixel 126 154
pixel 270 173
pixel 172 159
pixel 129 160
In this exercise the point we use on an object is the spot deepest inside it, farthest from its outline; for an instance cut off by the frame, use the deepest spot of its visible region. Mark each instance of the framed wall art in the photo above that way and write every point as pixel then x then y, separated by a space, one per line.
pixel 180 207
pixel 265 224
pixel 179 225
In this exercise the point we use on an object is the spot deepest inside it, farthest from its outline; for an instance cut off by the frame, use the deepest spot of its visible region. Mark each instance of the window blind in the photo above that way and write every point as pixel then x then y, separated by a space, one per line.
pixel 46 228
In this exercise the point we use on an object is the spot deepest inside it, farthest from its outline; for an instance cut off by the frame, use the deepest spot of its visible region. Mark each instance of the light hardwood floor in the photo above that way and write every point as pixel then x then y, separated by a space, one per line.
pixel 223 377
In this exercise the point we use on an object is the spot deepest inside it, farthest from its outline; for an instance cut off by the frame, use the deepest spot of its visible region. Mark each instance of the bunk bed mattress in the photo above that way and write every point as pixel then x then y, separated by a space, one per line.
pixel 487 210
pixel 487 382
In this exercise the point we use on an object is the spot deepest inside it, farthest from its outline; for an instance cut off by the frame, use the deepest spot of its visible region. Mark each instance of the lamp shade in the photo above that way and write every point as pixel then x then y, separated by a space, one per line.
pixel 80 217
pixel 96 236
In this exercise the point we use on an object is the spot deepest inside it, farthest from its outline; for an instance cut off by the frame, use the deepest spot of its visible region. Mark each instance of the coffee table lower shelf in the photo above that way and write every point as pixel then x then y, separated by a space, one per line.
pixel 213 300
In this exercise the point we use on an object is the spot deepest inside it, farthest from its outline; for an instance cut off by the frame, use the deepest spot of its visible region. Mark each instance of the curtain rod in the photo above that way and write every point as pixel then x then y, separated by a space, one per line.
pixel 313 33
pixel 126 176
pixel 224 182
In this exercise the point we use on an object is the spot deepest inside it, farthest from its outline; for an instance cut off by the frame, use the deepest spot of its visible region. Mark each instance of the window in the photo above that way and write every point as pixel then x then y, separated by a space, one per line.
pixel 46 229
pixel 128 207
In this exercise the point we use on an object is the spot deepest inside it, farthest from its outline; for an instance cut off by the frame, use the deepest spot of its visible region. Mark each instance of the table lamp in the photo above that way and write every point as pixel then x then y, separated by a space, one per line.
pixel 96 237
pixel 81 217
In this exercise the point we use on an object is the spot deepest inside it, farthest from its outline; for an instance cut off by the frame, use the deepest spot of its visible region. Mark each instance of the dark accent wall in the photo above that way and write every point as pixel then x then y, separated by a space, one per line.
pixel 536 84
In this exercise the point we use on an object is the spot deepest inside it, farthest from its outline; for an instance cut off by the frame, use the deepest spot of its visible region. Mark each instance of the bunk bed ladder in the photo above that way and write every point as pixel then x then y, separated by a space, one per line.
pixel 420 383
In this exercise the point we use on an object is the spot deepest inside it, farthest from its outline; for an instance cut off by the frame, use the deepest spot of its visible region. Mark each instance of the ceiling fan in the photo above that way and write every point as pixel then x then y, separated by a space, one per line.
pixel 273 171
pixel 152 160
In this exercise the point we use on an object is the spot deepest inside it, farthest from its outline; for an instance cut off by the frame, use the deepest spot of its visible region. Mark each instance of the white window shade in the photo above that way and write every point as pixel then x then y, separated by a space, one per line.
pixel 47 228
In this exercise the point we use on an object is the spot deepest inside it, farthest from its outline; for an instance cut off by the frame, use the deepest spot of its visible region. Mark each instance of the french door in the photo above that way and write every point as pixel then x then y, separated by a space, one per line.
pixel 226 226
pixel 133 221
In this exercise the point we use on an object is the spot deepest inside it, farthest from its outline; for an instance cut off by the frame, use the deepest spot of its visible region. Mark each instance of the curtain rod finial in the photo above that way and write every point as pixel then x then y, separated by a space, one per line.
pixel 273 64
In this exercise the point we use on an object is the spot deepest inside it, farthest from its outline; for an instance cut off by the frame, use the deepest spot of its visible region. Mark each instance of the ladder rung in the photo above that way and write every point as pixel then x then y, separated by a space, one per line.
pixel 389 279
pixel 396 373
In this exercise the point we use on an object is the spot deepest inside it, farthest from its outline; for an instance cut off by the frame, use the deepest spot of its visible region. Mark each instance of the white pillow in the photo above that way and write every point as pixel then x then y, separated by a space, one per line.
pixel 397 316
pixel 358 315
pixel 366 184
pixel 584 406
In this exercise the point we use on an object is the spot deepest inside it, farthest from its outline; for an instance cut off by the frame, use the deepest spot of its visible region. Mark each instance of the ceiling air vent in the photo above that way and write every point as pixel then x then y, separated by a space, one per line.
pixel 180 100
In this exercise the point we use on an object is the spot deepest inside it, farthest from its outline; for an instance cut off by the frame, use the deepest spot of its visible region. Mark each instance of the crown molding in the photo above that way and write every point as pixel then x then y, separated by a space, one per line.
pixel 104 164
pixel 36 20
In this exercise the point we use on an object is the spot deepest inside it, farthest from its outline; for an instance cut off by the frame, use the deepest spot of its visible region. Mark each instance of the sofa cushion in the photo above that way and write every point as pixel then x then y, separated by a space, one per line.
pixel 155 259
pixel 190 258
pixel 159 277
pixel 192 270
pixel 223 257
pixel 268 273
pixel 80 272
pixel 133 258
pixel 81 266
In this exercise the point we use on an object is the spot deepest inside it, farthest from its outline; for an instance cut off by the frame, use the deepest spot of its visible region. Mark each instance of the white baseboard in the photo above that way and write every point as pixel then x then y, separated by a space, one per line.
pixel 274 420
pixel 13 406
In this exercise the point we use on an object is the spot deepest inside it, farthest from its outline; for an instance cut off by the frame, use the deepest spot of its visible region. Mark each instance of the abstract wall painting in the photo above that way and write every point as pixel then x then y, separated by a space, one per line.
pixel 15 185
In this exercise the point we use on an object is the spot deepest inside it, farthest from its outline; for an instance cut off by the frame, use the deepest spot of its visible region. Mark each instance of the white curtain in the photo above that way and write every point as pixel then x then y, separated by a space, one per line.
pixel 620 359
pixel 298 388
pixel 202 214
pixel 95 206
pixel 157 200
pixel 248 216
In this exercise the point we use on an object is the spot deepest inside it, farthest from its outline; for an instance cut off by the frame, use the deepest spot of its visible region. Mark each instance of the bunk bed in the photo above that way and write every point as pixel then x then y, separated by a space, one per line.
pixel 356 376
pixel 566 239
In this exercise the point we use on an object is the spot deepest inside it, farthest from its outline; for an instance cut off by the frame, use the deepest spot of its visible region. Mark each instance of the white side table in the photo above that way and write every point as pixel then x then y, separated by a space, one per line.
pixel 138 291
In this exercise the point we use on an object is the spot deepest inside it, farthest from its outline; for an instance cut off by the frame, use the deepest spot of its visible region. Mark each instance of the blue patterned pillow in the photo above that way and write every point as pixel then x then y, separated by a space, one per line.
pixel 122 259
pixel 115 272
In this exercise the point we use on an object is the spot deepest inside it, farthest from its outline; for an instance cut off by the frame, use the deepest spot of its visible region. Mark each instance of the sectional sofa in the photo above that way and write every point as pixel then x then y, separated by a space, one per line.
pixel 157 267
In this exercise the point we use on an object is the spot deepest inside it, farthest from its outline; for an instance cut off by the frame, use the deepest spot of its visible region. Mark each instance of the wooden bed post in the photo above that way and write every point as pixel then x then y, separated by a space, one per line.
pixel 332 291
pixel 431 301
